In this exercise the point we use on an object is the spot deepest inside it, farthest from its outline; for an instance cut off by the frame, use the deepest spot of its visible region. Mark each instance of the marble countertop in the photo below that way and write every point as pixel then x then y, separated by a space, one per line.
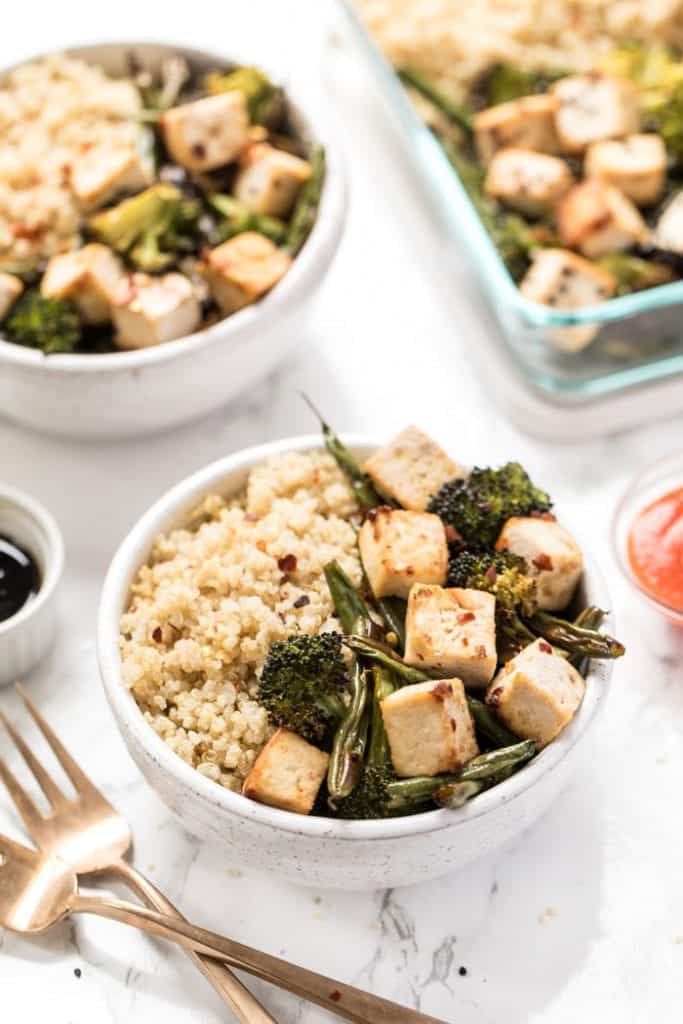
pixel 580 919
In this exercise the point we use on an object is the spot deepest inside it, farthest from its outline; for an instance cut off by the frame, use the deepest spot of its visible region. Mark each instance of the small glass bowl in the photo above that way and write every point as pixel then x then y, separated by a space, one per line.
pixel 664 476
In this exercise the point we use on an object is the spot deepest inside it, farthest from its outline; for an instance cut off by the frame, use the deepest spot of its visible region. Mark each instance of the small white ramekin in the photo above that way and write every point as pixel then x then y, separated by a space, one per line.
pixel 324 851
pixel 26 637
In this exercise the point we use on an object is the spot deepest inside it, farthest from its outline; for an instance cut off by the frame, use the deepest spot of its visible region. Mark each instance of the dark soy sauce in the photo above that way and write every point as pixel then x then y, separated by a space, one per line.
pixel 19 578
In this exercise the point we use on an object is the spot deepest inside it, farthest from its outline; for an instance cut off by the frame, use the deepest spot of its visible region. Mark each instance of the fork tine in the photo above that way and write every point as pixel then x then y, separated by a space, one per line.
pixel 45 780
pixel 30 814
pixel 80 780
pixel 14 849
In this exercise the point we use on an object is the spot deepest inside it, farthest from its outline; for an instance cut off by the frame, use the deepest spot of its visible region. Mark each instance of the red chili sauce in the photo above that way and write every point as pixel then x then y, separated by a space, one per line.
pixel 655 548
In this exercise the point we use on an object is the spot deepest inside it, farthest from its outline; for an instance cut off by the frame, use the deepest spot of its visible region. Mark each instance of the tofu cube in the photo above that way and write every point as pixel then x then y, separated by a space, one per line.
pixel 10 290
pixel 207 133
pixel 102 174
pixel 411 469
pixel 452 632
pixel 537 693
pixel 532 183
pixel 598 219
pixel 151 310
pixel 429 728
pixel 635 165
pixel 269 180
pixel 564 280
pixel 287 773
pixel 400 548
pixel 592 107
pixel 554 558
pixel 243 269
pixel 526 123
pixel 88 277
pixel 669 231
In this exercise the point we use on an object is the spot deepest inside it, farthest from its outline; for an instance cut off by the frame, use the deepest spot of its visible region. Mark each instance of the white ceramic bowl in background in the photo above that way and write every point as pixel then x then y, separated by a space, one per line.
pixel 26 637
pixel 124 394
pixel 310 850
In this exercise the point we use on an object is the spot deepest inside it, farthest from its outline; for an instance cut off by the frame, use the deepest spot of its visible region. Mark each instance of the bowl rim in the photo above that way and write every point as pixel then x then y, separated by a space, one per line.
pixel 624 517
pixel 132 553
pixel 54 562
pixel 300 280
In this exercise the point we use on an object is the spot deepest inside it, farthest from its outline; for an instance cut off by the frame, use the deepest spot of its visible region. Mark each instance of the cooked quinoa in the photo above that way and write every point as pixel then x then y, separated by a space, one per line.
pixel 52 111
pixel 453 42
pixel 243 573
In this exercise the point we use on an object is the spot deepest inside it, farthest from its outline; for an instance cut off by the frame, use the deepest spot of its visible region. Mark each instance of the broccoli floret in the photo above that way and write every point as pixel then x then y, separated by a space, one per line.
pixel 302 685
pixel 370 798
pixel 633 273
pixel 478 506
pixel 263 98
pixel 501 573
pixel 50 325
pixel 236 218
pixel 501 83
pixel 153 229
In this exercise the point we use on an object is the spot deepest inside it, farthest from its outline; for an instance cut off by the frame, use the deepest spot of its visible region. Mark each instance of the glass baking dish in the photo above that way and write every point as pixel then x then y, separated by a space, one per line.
pixel 640 336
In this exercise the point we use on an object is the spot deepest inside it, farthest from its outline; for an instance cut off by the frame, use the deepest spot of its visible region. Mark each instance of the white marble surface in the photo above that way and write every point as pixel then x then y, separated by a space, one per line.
pixel 582 919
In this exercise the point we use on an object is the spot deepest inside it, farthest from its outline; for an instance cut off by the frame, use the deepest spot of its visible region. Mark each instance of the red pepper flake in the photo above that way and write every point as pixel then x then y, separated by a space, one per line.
pixel 543 562
pixel 287 563
pixel 156 635
pixel 452 535
pixel 480 651
pixel 494 697
pixel 465 617
pixel 336 996
pixel 548 516
pixel 251 518
pixel 199 150
pixel 454 725
pixel 491 574
pixel 302 601
pixel 545 647
pixel 442 690
pixel 133 608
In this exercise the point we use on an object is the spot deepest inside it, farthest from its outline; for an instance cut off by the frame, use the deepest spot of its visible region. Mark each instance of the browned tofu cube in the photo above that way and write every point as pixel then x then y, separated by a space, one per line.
pixel 411 469
pixel 88 277
pixel 560 278
pixel 593 107
pixel 399 548
pixel 532 183
pixel 287 773
pixel 10 290
pixel 452 632
pixel 554 558
pixel 102 174
pixel 635 165
pixel 152 310
pixel 526 123
pixel 598 219
pixel 269 180
pixel 429 728
pixel 537 693
pixel 243 269
pixel 207 133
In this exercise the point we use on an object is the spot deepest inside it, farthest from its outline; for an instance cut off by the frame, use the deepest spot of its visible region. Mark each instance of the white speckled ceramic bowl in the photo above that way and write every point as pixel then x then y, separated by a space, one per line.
pixel 124 394
pixel 320 851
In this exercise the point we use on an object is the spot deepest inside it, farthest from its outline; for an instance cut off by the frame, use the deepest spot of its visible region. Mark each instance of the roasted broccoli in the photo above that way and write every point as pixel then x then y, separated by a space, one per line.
pixel 501 573
pixel 152 229
pixel 263 98
pixel 303 683
pixel 501 83
pixel 478 506
pixel 236 218
pixel 50 325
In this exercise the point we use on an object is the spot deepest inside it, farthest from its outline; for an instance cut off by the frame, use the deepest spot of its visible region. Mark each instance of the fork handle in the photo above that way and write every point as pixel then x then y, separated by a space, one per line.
pixel 345 1001
pixel 243 1004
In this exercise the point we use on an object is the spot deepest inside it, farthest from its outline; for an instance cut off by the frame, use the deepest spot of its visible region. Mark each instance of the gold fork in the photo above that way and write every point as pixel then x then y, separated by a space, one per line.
pixel 90 836
pixel 37 892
